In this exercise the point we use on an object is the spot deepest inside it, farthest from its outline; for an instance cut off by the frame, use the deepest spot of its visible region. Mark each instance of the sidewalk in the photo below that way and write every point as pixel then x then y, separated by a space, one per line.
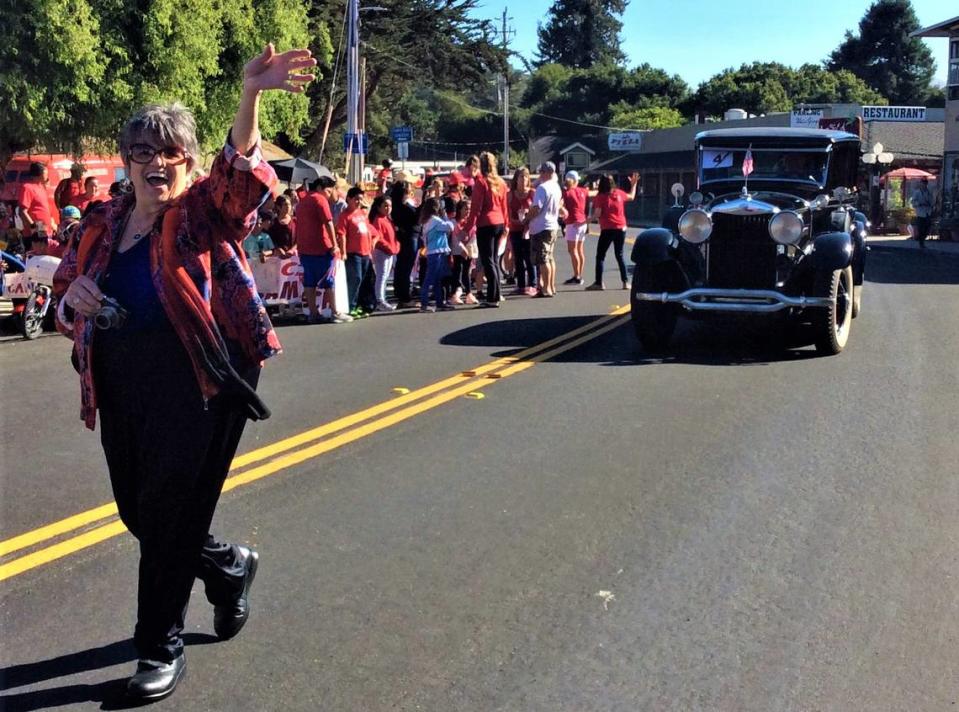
pixel 907 243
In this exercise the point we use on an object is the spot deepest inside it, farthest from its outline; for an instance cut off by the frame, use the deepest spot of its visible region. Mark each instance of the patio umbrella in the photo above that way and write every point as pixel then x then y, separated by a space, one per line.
pixel 295 170
pixel 907 174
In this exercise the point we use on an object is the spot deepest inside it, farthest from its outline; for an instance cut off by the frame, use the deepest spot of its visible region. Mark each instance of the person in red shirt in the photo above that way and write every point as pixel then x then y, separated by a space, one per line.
pixel 385 249
pixel 488 211
pixel 91 187
pixel 469 171
pixel 354 226
pixel 384 177
pixel 520 198
pixel 34 202
pixel 317 246
pixel 69 188
pixel 609 207
pixel 573 213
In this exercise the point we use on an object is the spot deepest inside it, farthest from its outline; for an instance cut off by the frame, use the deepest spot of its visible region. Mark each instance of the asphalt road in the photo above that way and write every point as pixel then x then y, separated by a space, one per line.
pixel 732 527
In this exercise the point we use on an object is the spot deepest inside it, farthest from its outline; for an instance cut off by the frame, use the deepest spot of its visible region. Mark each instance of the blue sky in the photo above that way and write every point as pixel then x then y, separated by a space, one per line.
pixel 699 38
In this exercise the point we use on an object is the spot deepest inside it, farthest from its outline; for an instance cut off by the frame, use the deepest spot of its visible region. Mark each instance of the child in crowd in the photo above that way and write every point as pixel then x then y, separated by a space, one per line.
pixel 354 227
pixel 69 225
pixel 283 228
pixel 436 230
pixel 258 245
pixel 463 247
pixel 385 249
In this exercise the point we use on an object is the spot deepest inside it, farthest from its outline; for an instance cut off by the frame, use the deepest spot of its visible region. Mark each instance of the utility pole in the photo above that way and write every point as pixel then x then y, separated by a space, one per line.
pixel 506 32
pixel 354 157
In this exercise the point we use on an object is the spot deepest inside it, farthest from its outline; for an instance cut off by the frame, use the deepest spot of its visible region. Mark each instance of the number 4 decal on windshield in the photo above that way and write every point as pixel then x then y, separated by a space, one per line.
pixel 717 159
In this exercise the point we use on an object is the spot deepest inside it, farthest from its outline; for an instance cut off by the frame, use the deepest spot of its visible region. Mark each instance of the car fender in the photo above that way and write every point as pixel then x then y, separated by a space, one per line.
pixel 832 250
pixel 653 246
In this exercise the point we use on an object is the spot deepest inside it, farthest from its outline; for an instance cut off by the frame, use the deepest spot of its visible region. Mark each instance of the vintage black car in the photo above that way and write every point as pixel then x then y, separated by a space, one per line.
pixel 785 238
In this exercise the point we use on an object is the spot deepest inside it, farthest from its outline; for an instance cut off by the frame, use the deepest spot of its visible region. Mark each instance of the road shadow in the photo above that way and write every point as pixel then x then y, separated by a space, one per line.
pixel 110 693
pixel 723 341
pixel 902 265
pixel 513 335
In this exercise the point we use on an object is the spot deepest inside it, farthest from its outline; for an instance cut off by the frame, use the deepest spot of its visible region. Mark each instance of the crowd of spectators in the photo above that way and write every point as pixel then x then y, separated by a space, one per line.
pixel 452 240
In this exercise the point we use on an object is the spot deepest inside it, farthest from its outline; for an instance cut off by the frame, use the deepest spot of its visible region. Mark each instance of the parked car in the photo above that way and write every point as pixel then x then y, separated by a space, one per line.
pixel 784 238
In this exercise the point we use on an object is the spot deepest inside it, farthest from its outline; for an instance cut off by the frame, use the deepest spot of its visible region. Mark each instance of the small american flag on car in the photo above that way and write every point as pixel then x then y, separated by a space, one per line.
pixel 748 161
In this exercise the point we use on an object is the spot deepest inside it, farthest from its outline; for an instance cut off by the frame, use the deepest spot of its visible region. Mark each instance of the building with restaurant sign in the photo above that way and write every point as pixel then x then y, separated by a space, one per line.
pixel 949 183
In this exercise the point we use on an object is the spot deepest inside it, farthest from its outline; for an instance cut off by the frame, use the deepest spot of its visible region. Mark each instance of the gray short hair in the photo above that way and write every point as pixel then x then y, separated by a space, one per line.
pixel 163 124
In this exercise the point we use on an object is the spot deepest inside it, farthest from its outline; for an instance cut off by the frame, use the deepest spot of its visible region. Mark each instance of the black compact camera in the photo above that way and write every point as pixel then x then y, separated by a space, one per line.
pixel 110 315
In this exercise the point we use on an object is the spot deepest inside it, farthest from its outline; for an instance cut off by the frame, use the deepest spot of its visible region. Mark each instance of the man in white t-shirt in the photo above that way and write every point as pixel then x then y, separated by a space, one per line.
pixel 543 221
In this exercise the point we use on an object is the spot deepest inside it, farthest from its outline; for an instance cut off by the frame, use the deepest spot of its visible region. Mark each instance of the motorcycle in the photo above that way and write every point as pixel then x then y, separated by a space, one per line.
pixel 28 291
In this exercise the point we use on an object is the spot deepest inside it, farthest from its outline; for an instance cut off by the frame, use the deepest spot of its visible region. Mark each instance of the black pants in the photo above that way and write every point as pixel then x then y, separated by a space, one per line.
pixel 522 261
pixel 616 238
pixel 168 456
pixel 404 267
pixel 357 267
pixel 922 229
pixel 460 279
pixel 487 239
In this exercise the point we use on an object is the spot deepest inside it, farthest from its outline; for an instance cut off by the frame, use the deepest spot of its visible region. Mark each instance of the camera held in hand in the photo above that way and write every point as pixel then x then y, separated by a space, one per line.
pixel 110 315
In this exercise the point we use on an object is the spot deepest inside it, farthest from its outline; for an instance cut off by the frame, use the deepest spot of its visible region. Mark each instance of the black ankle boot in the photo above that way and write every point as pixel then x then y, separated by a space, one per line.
pixel 229 620
pixel 154 679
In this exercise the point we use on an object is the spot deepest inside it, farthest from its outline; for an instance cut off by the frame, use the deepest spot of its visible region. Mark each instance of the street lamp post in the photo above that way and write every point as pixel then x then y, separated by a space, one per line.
pixel 877 157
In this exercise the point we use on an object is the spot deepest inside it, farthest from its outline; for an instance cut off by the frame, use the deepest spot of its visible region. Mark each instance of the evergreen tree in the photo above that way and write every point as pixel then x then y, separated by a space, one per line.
pixel 582 33
pixel 885 57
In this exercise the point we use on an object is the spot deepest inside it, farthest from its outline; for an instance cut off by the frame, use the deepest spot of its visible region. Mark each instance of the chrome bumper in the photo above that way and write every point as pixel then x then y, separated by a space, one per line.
pixel 733 300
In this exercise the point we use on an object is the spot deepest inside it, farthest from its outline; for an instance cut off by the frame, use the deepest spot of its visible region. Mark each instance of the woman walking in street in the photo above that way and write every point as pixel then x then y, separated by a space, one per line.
pixel 520 198
pixel 384 250
pixel 609 207
pixel 168 337
pixel 488 211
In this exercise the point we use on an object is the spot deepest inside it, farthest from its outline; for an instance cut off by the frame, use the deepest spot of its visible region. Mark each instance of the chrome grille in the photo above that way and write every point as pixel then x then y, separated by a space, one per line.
pixel 741 253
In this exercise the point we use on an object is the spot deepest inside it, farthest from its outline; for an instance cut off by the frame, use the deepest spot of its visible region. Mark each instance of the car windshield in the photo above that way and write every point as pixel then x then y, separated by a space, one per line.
pixel 790 165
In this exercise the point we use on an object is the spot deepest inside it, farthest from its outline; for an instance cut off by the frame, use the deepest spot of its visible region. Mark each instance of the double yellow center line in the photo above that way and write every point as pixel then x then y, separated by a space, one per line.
pixel 304 446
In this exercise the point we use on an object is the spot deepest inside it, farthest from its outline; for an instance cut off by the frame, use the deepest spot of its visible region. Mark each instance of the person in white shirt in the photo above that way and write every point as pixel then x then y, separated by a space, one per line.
pixel 922 202
pixel 543 221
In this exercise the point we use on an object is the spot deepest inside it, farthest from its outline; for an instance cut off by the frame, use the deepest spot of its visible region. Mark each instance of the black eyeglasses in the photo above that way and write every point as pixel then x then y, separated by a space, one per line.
pixel 144 153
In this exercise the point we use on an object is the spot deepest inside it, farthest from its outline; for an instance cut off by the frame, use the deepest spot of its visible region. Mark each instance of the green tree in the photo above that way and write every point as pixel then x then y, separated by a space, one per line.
pixel 49 64
pixel 557 97
pixel 884 55
pixel 650 117
pixel 412 44
pixel 582 33
pixel 763 87
pixel 74 70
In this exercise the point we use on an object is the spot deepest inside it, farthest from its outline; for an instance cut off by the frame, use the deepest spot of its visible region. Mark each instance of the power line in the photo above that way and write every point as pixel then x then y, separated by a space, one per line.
pixel 427 142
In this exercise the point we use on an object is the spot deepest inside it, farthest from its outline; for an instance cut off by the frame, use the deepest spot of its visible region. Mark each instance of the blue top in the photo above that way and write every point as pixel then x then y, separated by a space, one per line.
pixel 436 233
pixel 254 245
pixel 128 281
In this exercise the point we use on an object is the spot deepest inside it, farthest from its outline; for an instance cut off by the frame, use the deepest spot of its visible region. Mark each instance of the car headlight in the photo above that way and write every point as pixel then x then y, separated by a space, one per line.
pixel 695 225
pixel 786 227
